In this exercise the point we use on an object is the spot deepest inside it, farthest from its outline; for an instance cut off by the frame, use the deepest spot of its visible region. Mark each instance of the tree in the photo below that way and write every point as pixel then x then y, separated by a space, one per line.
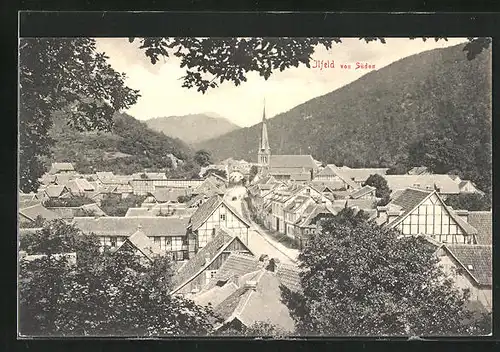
pixel 380 183
pixel 202 57
pixel 202 157
pixel 361 279
pixel 469 201
pixel 111 294
pixel 253 172
pixel 63 75
pixel 115 205
pixel 257 329
pixel 74 201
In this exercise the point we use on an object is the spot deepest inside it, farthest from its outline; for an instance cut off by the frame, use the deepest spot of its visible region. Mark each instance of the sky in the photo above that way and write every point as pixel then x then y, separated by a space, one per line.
pixel 162 93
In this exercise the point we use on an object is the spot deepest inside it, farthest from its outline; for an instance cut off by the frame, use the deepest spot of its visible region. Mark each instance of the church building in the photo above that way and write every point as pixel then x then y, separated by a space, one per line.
pixel 299 168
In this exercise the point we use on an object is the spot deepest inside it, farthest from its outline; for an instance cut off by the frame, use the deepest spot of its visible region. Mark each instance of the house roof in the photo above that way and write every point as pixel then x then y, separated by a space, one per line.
pixel 55 191
pixel 331 169
pixel 418 170
pixel 56 167
pixel 363 204
pixel 94 208
pixel 313 210
pixel 292 161
pixel 263 303
pixel 38 210
pixel 475 259
pixel 24 197
pixel 236 264
pixel 410 198
pixel 362 174
pixel 482 221
pixel 296 203
pixel 362 192
pixel 141 241
pixel 126 226
pixel 203 258
pixel 138 212
pixel 196 199
pixel 208 208
pixel 167 194
pixel 429 182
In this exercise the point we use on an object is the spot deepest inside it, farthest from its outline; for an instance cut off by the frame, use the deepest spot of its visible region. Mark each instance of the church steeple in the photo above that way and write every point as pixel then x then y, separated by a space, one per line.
pixel 264 151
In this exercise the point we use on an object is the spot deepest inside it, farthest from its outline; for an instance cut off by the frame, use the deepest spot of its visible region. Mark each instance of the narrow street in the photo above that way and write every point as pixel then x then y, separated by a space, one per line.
pixel 259 241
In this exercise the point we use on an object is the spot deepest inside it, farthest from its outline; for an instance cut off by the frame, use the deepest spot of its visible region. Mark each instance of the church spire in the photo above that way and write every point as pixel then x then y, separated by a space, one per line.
pixel 264 149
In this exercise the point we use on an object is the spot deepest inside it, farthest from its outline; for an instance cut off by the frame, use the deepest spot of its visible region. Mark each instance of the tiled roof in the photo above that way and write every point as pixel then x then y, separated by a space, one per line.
pixel 296 203
pixel 28 203
pixel 475 259
pixel 147 247
pixel 39 210
pixel 27 197
pixel 482 221
pixel 202 258
pixel 363 204
pixel 292 161
pixel 55 191
pixel 138 212
pixel 418 170
pixel 167 195
pixel 207 209
pixel 362 174
pixel 93 208
pixel 195 200
pixel 289 276
pixel 236 264
pixel 126 226
pixel 262 303
pixel 215 295
pixel 62 167
pixel 313 210
pixel 327 170
pixel 428 182
pixel 362 192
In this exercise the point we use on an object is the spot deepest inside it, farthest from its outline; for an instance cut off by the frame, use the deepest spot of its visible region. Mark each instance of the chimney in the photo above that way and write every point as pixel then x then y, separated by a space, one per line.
pixel 263 258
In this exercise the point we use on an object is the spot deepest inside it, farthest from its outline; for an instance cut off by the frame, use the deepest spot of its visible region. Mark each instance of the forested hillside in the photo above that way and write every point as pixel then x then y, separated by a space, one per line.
pixel 130 147
pixel 437 102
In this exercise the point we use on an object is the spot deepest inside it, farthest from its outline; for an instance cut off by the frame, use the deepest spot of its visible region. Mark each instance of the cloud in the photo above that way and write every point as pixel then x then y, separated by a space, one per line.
pixel 162 93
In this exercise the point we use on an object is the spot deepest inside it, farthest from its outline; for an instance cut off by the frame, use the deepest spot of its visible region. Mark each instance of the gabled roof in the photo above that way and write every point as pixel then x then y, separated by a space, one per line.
pixel 428 182
pixel 208 208
pixel 126 226
pixel 331 169
pixel 140 241
pixel 56 167
pixel 296 203
pixel 362 174
pixel 292 161
pixel 236 264
pixel 418 170
pixel 262 303
pixel 38 210
pixel 476 260
pixel 411 198
pixel 362 192
pixel 55 191
pixel 195 200
pixel 313 210
pixel 204 257
pixel 24 197
pixel 328 170
pixel 482 221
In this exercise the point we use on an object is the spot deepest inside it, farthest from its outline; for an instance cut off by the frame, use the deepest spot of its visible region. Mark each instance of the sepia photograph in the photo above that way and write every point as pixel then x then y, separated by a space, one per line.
pixel 280 187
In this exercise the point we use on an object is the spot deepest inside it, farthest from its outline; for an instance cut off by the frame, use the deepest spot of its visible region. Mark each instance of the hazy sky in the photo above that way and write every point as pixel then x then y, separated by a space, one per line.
pixel 162 94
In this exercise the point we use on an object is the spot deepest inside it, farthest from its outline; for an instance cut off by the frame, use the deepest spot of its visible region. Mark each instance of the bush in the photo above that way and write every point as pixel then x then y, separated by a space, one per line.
pixel 75 201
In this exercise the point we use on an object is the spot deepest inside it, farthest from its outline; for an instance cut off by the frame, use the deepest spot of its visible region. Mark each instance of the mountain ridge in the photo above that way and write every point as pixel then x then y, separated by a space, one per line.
pixel 192 128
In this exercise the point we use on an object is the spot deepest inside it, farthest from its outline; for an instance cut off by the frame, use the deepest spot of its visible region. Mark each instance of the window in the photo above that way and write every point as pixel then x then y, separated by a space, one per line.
pixel 223 217
pixel 113 241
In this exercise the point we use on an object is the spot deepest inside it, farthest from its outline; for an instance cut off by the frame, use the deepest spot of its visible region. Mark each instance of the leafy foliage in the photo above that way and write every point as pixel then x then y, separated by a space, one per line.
pixel 39 222
pixel 115 205
pixel 110 294
pixel 399 169
pixel 69 75
pixel 188 170
pixel 360 279
pixel 469 201
pixel 185 199
pixel 409 101
pixel 202 57
pixel 382 188
pixel 257 329
pixel 202 157
pixel 253 172
pixel 74 201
